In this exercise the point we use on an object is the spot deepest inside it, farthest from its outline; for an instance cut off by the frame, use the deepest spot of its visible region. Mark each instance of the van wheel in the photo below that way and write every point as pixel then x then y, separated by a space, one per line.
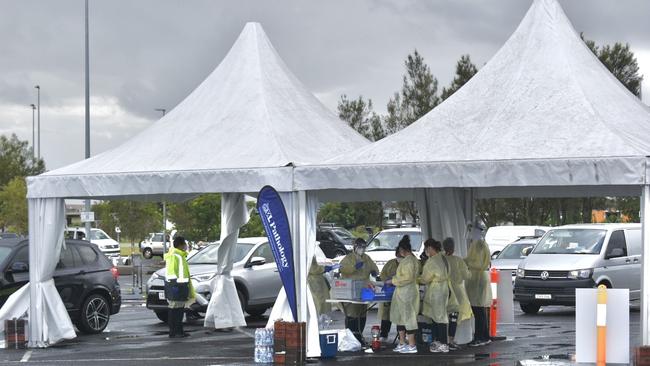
pixel 147 253
pixel 95 314
pixel 162 315
pixel 256 312
pixel 530 309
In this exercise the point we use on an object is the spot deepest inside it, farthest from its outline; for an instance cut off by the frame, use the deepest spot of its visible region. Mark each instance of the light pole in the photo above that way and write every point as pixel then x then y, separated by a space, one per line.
pixel 87 202
pixel 164 204
pixel 38 111
pixel 33 133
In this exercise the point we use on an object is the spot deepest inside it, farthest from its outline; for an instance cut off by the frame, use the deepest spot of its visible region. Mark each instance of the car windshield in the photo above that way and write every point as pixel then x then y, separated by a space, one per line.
pixel 342 233
pixel 514 251
pixel 4 253
pixel 209 254
pixel 98 235
pixel 571 241
pixel 388 240
pixel 8 236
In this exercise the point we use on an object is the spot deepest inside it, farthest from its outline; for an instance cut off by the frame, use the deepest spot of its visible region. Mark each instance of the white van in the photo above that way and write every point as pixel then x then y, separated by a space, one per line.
pixel 497 237
pixel 579 256
pixel 105 243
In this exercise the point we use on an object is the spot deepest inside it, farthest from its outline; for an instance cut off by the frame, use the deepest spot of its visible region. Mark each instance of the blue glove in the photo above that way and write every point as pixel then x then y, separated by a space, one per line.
pixel 373 273
pixel 358 265
pixel 328 269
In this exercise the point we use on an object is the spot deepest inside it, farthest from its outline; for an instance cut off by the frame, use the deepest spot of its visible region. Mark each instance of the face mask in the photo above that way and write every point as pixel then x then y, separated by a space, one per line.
pixel 399 259
pixel 360 251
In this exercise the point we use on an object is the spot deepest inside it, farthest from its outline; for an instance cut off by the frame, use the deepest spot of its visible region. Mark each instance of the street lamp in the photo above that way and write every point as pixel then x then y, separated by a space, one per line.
pixel 87 66
pixel 38 108
pixel 33 133
pixel 164 204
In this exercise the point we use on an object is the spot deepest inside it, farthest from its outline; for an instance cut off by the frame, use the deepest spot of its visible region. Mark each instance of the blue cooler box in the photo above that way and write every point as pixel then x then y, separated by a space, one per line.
pixel 329 343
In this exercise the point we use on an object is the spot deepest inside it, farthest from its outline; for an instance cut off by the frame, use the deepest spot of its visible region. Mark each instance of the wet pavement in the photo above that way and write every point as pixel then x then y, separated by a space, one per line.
pixel 136 337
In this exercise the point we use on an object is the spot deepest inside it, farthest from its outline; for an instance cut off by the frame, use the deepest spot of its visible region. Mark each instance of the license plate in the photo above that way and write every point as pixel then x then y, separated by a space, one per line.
pixel 543 297
pixel 161 295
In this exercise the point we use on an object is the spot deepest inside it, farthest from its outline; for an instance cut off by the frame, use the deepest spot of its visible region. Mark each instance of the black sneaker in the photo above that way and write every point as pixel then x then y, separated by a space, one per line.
pixel 474 343
pixel 453 347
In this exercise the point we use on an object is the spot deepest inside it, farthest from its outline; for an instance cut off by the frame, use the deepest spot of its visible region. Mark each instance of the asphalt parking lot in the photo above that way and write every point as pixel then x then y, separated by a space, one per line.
pixel 136 337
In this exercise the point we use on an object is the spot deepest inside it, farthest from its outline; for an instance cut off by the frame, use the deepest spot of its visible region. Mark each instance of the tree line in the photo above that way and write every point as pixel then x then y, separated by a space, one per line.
pixel 419 94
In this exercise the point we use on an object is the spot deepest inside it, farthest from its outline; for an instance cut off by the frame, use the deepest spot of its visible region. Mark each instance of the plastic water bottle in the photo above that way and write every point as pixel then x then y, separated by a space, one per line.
pixel 258 354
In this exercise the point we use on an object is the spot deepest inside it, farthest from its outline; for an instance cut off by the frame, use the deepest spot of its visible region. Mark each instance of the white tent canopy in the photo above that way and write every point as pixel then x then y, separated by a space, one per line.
pixel 543 111
pixel 244 127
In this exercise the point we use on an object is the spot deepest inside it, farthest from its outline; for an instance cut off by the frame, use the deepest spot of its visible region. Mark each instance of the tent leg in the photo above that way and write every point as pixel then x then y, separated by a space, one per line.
pixel 645 268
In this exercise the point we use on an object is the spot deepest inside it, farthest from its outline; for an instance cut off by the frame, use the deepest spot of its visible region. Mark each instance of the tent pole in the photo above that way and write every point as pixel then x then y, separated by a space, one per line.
pixel 645 267
pixel 301 249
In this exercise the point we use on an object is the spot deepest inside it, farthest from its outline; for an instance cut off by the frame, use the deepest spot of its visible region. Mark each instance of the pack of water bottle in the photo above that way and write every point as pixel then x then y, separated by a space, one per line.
pixel 263 345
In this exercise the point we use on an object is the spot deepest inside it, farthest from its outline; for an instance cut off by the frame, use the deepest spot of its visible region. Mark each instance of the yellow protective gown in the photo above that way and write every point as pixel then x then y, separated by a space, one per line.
pixel 319 287
pixel 458 274
pixel 349 271
pixel 436 296
pixel 478 287
pixel 389 271
pixel 405 304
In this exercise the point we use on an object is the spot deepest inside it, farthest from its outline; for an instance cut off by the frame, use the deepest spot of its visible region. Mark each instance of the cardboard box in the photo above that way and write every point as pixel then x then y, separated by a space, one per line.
pixel 16 334
pixel 347 289
pixel 290 343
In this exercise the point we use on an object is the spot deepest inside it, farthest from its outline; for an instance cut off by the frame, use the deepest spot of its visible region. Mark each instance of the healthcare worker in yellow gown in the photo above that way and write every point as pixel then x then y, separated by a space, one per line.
pixel 387 273
pixel 435 276
pixel 460 310
pixel 319 286
pixel 357 266
pixel 405 304
pixel 478 287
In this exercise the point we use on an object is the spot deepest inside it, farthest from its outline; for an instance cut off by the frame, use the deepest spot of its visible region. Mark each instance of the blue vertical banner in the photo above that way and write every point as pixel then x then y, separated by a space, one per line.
pixel 276 224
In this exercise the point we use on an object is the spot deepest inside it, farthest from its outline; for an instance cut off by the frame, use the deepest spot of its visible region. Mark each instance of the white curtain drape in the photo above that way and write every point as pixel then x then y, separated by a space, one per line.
pixel 48 319
pixel 224 309
pixel 442 215
pixel 301 211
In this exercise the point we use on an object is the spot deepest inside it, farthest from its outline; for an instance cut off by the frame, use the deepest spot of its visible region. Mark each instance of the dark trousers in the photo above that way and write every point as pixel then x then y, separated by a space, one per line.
pixel 175 321
pixel 439 332
pixel 385 328
pixel 453 324
pixel 481 331
pixel 356 326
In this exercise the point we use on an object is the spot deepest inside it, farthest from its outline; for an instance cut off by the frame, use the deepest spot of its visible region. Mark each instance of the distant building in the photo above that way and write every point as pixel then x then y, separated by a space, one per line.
pixel 73 210
pixel 394 217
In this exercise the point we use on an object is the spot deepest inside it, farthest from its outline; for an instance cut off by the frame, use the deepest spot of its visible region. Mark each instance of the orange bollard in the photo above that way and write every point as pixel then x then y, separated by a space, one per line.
pixel 601 326
pixel 494 279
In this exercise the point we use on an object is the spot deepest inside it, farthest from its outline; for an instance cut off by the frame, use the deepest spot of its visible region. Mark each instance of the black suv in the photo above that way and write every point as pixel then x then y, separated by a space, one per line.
pixel 334 241
pixel 84 277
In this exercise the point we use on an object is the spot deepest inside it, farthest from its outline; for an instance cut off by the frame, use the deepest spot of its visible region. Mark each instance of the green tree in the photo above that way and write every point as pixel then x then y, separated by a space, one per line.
pixel 359 115
pixel 418 96
pixel 352 214
pixel 13 206
pixel 198 219
pixel 620 61
pixel 16 159
pixel 465 70
pixel 135 219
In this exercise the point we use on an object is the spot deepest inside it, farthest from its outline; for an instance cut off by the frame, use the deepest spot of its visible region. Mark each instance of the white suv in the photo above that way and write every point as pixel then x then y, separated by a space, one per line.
pixel 105 243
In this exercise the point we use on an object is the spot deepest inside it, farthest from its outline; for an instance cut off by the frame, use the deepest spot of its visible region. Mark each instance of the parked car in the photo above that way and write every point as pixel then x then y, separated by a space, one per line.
pixel 334 241
pixel 579 256
pixel 154 244
pixel 497 237
pixel 105 243
pixel 8 235
pixel 85 279
pixel 507 261
pixel 254 272
pixel 381 247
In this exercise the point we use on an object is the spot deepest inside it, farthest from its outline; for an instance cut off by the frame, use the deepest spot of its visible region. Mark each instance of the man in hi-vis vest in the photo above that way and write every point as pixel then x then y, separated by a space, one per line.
pixel 178 287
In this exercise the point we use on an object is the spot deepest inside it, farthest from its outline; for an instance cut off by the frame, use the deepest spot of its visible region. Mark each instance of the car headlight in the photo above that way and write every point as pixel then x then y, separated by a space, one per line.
pixel 520 272
pixel 580 274
pixel 203 277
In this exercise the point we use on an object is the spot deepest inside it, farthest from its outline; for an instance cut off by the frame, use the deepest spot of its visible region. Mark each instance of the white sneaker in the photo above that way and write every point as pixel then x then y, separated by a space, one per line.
pixel 443 348
pixel 409 349
pixel 399 347
pixel 434 346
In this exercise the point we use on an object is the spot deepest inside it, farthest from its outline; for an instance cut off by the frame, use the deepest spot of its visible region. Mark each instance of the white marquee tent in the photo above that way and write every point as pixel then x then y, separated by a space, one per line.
pixel 542 118
pixel 242 128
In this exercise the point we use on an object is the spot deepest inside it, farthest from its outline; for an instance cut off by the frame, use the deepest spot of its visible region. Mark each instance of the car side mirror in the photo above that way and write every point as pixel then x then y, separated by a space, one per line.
pixel 526 251
pixel 495 255
pixel 256 261
pixel 615 253
pixel 19 267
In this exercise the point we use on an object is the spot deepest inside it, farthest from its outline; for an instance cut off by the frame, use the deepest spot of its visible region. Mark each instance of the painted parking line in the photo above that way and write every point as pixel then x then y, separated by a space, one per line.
pixel 239 330
pixel 26 356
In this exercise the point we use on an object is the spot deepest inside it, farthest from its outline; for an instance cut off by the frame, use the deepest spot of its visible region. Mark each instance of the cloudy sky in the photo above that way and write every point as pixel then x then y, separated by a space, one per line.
pixel 151 54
